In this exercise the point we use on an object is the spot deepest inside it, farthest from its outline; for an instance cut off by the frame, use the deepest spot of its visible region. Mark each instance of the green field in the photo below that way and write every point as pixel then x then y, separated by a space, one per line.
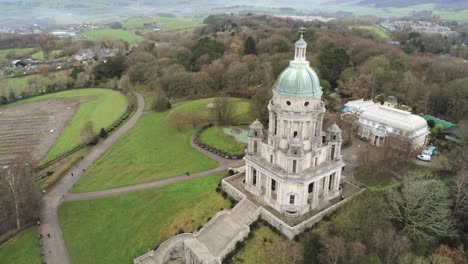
pixel 95 34
pixel 166 23
pixel 376 31
pixel 22 249
pixel 153 149
pixel 39 55
pixel 120 228
pixel 20 84
pixel 103 108
pixel 214 136
pixel 16 52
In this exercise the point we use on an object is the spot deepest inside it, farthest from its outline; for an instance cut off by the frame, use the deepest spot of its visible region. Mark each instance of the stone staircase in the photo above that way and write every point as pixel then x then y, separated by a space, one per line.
pixel 213 242
pixel 218 235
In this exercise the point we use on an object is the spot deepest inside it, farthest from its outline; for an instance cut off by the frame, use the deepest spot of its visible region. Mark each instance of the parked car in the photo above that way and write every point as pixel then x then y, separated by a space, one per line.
pixel 424 157
pixel 431 151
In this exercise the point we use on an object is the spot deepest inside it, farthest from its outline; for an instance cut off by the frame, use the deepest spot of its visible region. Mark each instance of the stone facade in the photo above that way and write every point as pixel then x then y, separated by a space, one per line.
pixel 295 167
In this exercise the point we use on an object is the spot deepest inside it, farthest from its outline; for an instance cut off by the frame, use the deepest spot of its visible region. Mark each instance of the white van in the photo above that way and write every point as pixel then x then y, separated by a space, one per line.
pixel 424 157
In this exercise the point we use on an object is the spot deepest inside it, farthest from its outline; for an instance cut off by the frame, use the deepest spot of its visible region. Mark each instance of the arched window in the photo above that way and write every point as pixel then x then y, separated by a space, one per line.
pixel 291 199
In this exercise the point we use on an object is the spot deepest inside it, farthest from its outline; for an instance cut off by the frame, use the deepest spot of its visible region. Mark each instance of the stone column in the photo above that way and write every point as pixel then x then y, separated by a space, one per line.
pixel 315 191
pixel 271 123
pixel 325 189
pixel 268 186
pixel 337 179
pixel 247 174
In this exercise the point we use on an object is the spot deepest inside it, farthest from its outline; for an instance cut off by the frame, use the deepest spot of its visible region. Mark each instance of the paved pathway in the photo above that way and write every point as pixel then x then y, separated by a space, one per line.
pixel 54 247
pixel 224 165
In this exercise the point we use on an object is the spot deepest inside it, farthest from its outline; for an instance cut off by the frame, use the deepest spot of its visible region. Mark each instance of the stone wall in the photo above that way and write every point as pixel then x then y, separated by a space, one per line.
pixel 231 190
pixel 292 231
pixel 171 248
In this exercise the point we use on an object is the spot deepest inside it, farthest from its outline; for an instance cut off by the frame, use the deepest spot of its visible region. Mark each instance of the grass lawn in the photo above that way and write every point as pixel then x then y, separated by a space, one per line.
pixel 376 31
pixel 375 184
pixel 214 136
pixel 151 150
pixel 265 246
pixel 21 249
pixel 196 109
pixel 129 36
pixel 119 228
pixel 103 108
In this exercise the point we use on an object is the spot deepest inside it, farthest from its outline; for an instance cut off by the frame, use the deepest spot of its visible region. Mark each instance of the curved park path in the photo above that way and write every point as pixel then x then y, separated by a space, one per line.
pixel 54 247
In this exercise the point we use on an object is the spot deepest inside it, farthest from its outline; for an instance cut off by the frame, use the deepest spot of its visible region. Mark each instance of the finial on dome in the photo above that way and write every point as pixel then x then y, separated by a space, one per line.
pixel 300 47
pixel 302 30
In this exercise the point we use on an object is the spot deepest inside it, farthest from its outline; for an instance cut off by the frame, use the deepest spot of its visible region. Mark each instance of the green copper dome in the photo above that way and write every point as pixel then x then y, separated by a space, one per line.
pixel 298 80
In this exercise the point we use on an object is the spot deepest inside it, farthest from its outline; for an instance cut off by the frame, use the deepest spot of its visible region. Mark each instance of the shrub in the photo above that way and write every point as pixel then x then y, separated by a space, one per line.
pixel 161 104
pixel 103 133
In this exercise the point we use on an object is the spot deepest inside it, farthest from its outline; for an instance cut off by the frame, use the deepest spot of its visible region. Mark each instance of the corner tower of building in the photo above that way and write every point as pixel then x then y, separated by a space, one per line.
pixel 295 167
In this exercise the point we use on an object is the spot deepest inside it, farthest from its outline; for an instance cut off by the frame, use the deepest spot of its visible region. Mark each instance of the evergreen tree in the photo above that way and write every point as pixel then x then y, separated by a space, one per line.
pixel 249 46
pixel 333 60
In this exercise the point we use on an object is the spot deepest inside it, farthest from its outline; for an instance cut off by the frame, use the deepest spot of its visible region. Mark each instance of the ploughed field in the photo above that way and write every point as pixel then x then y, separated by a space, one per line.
pixel 33 127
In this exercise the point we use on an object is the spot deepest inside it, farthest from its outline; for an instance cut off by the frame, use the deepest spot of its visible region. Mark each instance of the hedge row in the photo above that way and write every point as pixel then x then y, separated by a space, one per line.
pixel 52 179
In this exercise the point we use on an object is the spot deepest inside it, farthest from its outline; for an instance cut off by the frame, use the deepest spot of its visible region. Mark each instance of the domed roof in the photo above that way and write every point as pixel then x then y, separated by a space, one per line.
pixel 298 80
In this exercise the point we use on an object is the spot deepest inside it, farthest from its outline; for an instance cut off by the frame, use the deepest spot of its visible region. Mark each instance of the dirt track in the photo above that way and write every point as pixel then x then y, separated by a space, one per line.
pixel 33 127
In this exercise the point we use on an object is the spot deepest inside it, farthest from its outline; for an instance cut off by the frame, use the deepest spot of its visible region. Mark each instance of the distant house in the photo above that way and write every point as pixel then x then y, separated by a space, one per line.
pixel 82 55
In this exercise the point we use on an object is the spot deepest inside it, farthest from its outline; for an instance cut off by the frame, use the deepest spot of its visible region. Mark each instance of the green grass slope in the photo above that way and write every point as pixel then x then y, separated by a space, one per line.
pixel 120 228
pixel 102 109
pixel 151 150
pixel 21 249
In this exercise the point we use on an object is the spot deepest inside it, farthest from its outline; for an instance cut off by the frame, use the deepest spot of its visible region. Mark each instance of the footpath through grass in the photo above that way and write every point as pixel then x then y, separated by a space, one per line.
pixel 151 150
pixel 103 108
pixel 21 249
pixel 119 228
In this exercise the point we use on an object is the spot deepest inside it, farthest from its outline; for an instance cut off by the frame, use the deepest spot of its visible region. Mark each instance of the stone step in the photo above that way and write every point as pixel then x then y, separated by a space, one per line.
pixel 219 234
pixel 244 213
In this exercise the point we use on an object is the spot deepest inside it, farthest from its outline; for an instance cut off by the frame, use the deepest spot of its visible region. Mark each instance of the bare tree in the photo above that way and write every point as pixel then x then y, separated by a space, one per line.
pixel 284 251
pixel 457 163
pixel 223 112
pixel 333 250
pixel 17 183
pixel 421 206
